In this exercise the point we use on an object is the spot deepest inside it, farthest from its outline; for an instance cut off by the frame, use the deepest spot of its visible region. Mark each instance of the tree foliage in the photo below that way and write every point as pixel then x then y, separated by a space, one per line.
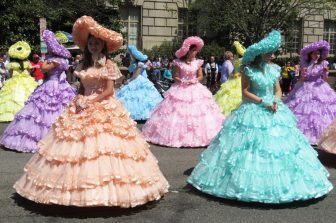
pixel 20 18
pixel 250 20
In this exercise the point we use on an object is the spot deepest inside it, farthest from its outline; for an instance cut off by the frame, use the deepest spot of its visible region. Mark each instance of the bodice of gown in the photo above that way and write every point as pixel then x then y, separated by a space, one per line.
pixel 315 70
pixel 262 81
pixel 57 72
pixel 133 67
pixel 94 79
pixel 188 71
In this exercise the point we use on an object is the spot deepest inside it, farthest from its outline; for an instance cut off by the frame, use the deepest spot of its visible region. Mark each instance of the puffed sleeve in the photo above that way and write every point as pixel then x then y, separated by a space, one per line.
pixel 199 63
pixel 63 63
pixel 111 71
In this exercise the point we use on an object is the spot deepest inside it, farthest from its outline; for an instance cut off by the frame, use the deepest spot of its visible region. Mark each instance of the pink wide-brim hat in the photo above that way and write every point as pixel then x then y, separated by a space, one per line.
pixel 322 45
pixel 192 40
pixel 86 25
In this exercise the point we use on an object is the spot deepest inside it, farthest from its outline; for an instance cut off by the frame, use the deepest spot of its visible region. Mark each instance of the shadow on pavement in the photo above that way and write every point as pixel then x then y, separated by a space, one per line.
pixel 78 212
pixel 327 159
pixel 189 189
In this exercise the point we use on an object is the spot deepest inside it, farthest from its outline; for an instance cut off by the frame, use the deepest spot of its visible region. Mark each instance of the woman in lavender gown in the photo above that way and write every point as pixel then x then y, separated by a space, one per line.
pixel 43 107
pixel 312 100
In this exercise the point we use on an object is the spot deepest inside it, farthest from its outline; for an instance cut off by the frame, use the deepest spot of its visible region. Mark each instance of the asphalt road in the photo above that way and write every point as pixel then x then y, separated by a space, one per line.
pixel 181 204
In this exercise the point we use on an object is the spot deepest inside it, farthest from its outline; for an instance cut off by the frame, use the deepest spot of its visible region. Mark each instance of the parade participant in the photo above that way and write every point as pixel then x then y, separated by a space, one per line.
pixel 44 105
pixel 36 71
pixel 312 100
pixel 188 116
pixel 260 155
pixel 139 96
pixel 93 155
pixel 18 88
pixel 229 95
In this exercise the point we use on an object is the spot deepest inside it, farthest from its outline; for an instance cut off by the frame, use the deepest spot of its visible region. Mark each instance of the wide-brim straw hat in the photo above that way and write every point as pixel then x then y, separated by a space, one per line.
pixel 322 45
pixel 136 53
pixel 192 40
pixel 86 25
pixel 269 44
pixel 53 46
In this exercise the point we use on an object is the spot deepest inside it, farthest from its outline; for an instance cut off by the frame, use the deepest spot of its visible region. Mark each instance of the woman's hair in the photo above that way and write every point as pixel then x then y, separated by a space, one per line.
pixel 227 55
pixel 257 60
pixel 87 56
pixel 184 58
pixel 310 57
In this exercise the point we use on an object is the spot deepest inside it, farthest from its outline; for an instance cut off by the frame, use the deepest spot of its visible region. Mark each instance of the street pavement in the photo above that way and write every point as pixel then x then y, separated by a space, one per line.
pixel 182 204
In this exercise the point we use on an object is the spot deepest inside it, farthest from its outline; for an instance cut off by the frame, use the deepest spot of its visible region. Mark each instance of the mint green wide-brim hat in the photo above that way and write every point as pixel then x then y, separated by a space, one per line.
pixel 269 44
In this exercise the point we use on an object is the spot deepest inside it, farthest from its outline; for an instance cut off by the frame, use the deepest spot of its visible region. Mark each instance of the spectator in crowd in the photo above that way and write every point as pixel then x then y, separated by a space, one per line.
pixel 227 67
pixel 156 69
pixel 4 74
pixel 36 70
pixel 287 72
pixel 296 76
pixel 167 74
pixel 211 72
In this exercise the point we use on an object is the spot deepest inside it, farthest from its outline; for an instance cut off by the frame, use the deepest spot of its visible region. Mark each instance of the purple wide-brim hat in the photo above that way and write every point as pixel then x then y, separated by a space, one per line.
pixel 192 40
pixel 53 46
pixel 322 45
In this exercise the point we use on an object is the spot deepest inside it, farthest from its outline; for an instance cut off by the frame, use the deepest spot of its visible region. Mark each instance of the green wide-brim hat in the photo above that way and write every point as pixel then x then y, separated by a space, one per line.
pixel 269 44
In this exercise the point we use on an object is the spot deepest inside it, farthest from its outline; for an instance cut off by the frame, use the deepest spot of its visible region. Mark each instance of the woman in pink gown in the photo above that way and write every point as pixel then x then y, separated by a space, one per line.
pixel 188 116
pixel 93 155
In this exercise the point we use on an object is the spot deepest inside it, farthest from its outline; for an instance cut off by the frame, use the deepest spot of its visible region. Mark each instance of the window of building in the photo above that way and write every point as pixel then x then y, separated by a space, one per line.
pixel 293 38
pixel 330 34
pixel 130 17
pixel 187 23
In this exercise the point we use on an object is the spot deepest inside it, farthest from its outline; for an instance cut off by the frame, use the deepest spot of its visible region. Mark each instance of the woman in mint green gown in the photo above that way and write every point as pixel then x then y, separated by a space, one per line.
pixel 260 155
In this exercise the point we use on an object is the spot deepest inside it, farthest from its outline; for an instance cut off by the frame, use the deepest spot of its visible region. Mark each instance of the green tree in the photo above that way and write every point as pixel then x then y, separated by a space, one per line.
pixel 249 20
pixel 20 18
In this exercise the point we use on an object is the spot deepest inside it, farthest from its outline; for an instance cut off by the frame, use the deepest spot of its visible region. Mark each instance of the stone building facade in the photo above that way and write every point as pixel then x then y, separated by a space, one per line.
pixel 150 22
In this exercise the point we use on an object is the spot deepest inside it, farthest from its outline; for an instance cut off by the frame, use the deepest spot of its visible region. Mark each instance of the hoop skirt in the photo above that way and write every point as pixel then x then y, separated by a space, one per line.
pixel 43 107
pixel 229 95
pixel 139 97
pixel 187 117
pixel 96 157
pixel 313 102
pixel 15 92
pixel 260 156
pixel 327 141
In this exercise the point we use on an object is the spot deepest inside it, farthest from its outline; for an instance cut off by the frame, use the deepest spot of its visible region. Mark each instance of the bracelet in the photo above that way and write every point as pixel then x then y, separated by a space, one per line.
pixel 266 102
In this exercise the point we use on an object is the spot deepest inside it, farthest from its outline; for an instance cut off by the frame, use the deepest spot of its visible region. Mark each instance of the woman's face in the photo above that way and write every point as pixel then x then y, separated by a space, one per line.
pixel 95 45
pixel 315 55
pixel 268 56
pixel 192 52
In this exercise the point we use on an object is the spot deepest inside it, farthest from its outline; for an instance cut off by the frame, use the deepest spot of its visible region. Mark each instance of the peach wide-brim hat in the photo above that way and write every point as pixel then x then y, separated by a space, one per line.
pixel 86 25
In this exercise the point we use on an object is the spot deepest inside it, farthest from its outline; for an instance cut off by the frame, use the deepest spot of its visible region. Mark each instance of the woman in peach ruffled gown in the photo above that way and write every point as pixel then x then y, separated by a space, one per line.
pixel 93 155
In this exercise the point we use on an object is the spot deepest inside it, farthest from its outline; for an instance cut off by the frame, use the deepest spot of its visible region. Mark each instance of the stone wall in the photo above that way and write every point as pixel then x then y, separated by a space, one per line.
pixel 160 21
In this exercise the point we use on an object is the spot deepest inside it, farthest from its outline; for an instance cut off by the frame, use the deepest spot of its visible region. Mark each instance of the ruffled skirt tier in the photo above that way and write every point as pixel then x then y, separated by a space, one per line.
pixel 93 158
pixel 229 95
pixel 187 117
pixel 139 97
pixel 263 157
pixel 14 94
pixel 314 105
pixel 32 122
